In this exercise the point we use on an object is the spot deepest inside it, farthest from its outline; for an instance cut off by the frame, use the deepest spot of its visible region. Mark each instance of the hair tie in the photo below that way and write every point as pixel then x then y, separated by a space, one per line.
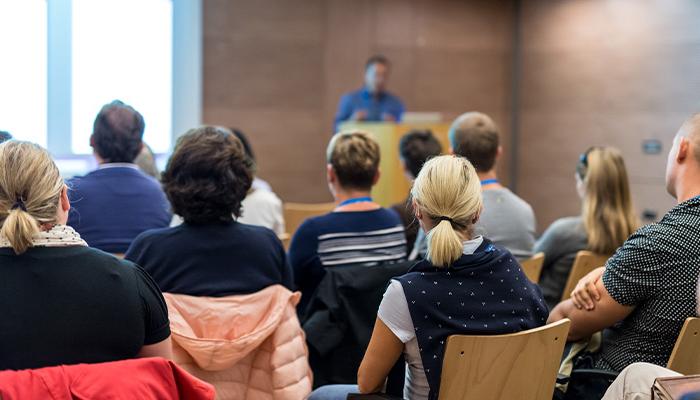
pixel 444 218
pixel 19 203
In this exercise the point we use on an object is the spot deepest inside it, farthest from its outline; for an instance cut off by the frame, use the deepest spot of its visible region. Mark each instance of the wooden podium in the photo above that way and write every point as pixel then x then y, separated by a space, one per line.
pixel 393 185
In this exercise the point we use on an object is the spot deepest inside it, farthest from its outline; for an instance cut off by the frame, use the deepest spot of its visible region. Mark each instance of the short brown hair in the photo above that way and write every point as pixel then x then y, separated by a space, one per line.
pixel 354 156
pixel 208 175
pixel 474 135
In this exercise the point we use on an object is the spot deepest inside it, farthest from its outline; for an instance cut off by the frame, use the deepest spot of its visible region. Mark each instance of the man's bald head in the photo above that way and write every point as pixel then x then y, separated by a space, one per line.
pixel 474 135
pixel 117 133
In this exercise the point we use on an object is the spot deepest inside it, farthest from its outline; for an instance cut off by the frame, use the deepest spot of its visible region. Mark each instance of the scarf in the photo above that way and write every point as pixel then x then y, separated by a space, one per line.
pixel 58 236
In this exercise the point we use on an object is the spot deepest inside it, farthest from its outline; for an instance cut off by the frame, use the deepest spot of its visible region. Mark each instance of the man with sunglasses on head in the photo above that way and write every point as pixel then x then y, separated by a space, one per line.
pixel 647 289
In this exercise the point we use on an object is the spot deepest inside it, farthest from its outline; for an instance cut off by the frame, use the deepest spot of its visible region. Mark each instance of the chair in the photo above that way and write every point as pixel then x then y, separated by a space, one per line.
pixel 584 263
pixel 684 357
pixel 533 267
pixel 296 213
pixel 519 366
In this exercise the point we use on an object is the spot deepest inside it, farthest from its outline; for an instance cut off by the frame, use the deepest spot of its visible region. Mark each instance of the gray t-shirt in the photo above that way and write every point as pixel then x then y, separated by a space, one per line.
pixel 559 243
pixel 507 220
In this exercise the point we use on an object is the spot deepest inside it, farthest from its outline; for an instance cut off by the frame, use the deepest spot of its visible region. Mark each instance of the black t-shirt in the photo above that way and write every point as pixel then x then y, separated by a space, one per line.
pixel 74 305
pixel 217 259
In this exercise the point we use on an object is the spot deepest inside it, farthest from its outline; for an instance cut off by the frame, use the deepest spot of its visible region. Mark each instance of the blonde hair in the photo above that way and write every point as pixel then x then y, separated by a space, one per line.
pixel 608 213
pixel 447 190
pixel 355 157
pixel 30 189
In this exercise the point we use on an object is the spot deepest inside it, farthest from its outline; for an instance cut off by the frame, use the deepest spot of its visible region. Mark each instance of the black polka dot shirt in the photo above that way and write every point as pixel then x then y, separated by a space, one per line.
pixel 656 271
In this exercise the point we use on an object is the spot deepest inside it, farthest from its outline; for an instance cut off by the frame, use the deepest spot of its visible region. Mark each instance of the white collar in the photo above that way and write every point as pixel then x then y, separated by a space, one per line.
pixel 470 246
pixel 117 165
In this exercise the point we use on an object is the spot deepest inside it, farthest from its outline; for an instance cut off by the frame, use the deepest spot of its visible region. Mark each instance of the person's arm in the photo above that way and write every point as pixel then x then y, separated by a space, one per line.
pixel 382 353
pixel 303 257
pixel 344 111
pixel 550 244
pixel 584 323
pixel 161 349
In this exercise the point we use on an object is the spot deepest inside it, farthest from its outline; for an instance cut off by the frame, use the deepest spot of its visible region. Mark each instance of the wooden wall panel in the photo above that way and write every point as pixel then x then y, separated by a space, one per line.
pixel 277 68
pixel 603 73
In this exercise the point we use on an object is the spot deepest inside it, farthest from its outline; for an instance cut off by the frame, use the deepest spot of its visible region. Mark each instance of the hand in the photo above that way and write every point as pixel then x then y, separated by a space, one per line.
pixel 359 115
pixel 388 117
pixel 585 293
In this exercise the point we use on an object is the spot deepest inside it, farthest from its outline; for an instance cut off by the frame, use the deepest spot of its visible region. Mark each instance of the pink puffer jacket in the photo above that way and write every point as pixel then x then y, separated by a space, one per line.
pixel 247 346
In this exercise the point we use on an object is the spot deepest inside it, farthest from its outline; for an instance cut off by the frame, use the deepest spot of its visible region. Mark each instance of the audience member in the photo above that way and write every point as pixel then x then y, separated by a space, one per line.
pixel 146 161
pixel 373 102
pixel 116 202
pixel 5 136
pixel 261 206
pixel 415 148
pixel 473 287
pixel 647 289
pixel 507 219
pixel 607 219
pixel 359 231
pixel 63 302
pixel 210 254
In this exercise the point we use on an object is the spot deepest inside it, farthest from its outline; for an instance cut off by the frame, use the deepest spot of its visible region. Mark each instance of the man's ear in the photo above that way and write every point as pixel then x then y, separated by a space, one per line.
pixel 683 150
pixel 499 152
pixel 330 174
pixel 92 140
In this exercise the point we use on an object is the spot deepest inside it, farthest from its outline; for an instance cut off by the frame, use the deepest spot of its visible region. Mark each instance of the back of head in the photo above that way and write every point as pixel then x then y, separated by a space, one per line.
pixel 474 135
pixel 691 130
pixel 207 176
pixel 448 191
pixel 608 213
pixel 30 190
pixel 117 133
pixel 246 147
pixel 416 147
pixel 354 157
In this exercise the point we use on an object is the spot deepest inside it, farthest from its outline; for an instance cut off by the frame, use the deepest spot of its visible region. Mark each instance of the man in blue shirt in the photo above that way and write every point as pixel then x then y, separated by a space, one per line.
pixel 372 102
pixel 116 202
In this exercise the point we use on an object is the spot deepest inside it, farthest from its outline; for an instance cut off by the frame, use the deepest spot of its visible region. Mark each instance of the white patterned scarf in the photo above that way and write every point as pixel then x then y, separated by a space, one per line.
pixel 58 236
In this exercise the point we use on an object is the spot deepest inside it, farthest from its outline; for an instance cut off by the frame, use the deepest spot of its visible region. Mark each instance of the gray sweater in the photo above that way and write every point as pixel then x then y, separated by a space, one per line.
pixel 559 243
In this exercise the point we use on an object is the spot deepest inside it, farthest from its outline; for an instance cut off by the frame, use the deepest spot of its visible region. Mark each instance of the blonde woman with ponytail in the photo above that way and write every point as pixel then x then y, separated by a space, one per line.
pixel 607 219
pixel 61 301
pixel 467 285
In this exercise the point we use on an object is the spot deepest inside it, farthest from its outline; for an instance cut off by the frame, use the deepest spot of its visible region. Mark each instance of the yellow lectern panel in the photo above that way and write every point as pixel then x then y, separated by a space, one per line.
pixel 393 186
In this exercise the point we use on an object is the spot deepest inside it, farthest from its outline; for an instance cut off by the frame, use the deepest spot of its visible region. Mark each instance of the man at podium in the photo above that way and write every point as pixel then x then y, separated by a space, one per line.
pixel 372 102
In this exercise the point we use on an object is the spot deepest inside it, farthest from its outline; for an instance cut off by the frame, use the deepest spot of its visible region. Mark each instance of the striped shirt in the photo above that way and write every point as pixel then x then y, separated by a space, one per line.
pixel 340 239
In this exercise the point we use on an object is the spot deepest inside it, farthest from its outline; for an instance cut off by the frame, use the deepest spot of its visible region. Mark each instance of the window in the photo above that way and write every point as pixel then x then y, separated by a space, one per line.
pixel 23 69
pixel 122 50
pixel 61 60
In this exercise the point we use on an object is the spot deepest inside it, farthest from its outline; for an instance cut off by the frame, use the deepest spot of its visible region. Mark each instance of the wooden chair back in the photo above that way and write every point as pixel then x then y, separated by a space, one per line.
pixel 585 262
pixel 684 357
pixel 532 267
pixel 296 213
pixel 521 365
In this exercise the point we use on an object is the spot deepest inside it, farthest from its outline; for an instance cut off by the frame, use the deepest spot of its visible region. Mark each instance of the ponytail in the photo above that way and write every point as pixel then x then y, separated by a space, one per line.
pixel 19 228
pixel 447 190
pixel 444 245
pixel 30 192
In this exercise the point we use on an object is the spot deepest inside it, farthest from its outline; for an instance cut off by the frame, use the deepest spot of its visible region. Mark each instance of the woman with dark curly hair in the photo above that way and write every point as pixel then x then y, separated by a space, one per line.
pixel 210 254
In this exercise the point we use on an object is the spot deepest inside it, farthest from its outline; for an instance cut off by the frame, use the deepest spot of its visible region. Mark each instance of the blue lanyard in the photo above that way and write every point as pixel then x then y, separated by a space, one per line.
pixel 488 181
pixel 355 200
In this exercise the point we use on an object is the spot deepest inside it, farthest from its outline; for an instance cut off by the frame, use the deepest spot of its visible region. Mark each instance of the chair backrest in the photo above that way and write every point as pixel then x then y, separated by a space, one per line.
pixel 684 357
pixel 584 263
pixel 521 365
pixel 296 213
pixel 533 267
